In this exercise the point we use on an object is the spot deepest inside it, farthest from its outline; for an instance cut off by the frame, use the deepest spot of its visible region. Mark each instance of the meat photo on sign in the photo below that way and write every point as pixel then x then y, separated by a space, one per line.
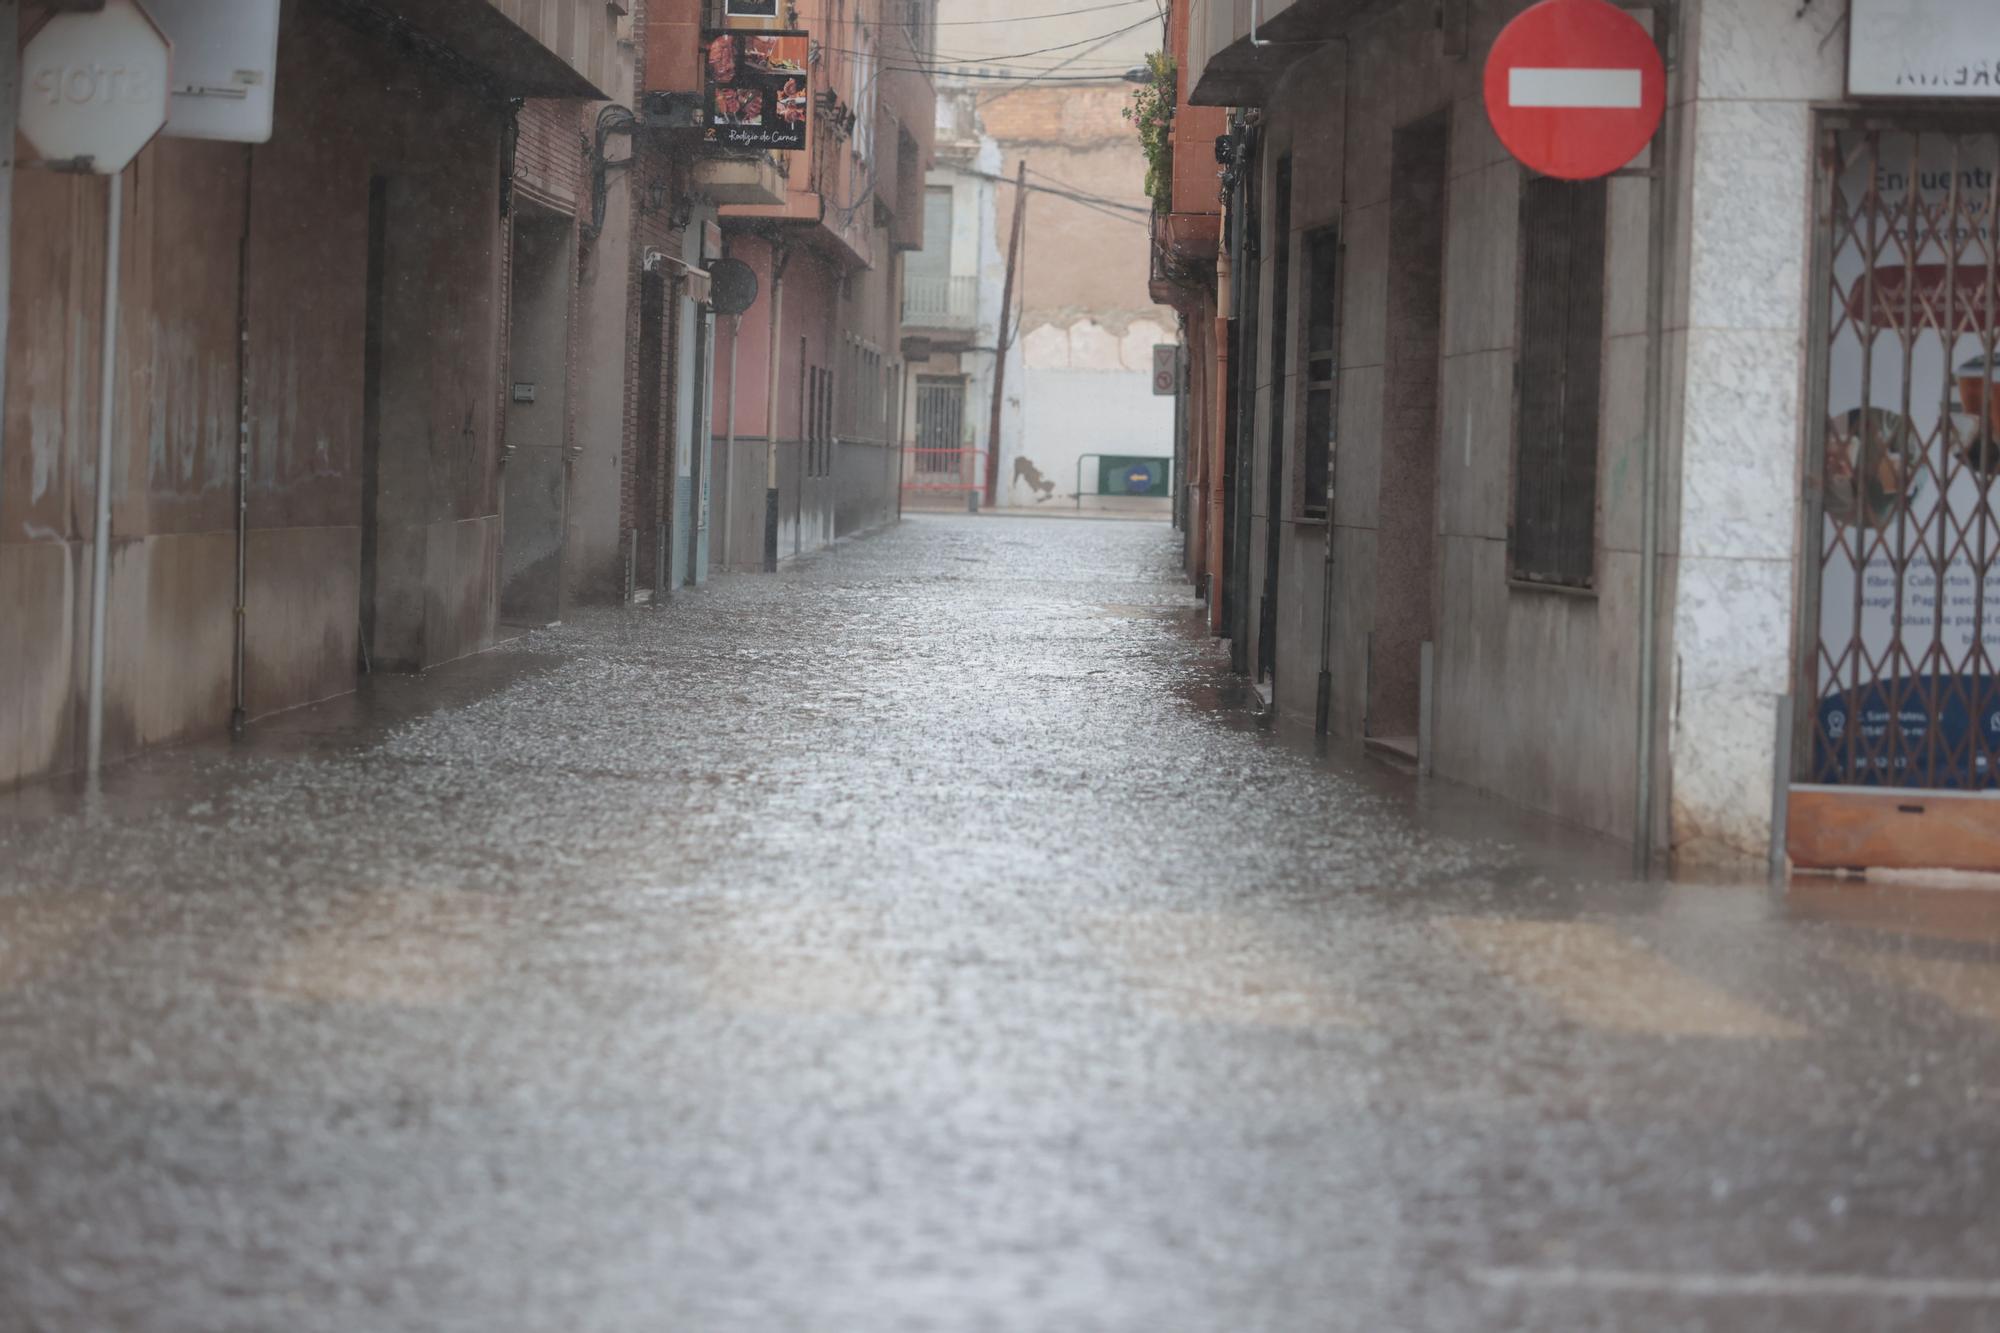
pixel 776 54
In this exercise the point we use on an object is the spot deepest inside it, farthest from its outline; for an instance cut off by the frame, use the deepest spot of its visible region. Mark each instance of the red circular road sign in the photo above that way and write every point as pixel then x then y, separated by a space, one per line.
pixel 1575 88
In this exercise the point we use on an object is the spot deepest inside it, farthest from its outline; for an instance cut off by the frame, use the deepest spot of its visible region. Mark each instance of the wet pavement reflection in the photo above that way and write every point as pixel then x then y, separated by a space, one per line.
pixel 927 937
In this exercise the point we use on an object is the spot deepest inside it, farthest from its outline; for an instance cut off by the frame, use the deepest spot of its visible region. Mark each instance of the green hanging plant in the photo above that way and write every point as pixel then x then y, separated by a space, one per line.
pixel 1152 111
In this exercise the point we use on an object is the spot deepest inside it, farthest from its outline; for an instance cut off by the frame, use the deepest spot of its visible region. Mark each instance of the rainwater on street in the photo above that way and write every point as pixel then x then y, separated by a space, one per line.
pixel 931 937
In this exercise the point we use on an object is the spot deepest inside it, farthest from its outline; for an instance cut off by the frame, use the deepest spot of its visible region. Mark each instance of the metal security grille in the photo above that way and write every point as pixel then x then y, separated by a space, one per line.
pixel 940 424
pixel 1900 674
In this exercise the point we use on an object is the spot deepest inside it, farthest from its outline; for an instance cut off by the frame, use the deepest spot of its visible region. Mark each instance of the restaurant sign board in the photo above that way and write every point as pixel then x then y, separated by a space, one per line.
pixel 758 89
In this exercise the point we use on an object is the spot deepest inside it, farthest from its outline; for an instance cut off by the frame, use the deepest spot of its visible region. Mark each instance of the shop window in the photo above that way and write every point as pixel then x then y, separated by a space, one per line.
pixel 1552 537
pixel 1312 480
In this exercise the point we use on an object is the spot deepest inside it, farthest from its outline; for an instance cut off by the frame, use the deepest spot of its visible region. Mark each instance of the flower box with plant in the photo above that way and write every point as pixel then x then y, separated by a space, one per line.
pixel 1152 111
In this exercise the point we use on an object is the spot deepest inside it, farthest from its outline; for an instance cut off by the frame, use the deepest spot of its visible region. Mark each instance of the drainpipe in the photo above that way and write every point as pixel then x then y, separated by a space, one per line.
pixel 239 715
pixel 1661 178
pixel 107 397
pixel 729 413
pixel 780 257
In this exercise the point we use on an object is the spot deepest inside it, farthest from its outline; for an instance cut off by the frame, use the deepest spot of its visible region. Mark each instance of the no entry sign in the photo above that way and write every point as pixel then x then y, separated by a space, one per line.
pixel 1575 88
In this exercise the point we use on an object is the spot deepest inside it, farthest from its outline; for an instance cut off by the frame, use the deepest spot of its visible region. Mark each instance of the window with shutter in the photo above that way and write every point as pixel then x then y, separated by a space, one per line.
pixel 1552 537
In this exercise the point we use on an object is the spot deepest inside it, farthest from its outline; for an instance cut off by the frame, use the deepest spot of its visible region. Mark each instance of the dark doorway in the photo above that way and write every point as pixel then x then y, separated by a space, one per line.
pixel 650 433
pixel 535 491
pixel 1274 453
pixel 940 428
pixel 371 417
pixel 1406 550
pixel 1239 443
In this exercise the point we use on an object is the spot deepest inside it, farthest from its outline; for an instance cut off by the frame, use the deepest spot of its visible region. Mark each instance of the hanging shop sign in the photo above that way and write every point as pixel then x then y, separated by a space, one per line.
pixel 94 86
pixel 1575 88
pixel 225 67
pixel 750 9
pixel 1909 541
pixel 1922 48
pixel 759 93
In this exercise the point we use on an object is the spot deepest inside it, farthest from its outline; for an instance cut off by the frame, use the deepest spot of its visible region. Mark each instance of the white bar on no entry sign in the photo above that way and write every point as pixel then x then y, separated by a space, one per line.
pixel 1614 88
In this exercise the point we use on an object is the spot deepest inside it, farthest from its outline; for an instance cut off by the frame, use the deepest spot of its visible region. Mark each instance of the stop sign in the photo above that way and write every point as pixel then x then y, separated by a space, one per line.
pixel 1575 88
pixel 95 85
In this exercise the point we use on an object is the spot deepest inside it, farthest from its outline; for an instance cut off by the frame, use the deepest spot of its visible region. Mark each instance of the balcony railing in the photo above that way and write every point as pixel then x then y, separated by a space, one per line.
pixel 941 303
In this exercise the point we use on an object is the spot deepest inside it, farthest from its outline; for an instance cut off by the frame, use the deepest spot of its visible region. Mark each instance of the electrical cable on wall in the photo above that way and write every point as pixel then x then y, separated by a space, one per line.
pixel 611 120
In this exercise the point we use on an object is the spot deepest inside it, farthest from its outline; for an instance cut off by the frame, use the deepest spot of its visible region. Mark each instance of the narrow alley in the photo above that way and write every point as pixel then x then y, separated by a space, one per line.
pixel 928 937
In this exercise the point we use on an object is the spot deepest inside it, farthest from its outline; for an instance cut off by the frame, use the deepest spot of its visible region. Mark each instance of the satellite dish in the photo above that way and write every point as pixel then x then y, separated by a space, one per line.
pixel 732 286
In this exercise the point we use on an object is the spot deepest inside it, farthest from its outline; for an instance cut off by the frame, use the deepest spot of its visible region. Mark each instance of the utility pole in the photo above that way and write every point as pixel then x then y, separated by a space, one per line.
pixel 1006 309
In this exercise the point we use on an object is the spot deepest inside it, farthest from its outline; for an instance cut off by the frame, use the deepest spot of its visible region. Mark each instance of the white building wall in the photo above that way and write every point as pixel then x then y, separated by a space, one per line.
pixel 1759 67
pixel 1086 390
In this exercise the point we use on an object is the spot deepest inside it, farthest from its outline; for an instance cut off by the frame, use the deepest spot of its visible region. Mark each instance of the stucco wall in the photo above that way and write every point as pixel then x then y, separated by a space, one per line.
pixel 1086 390
pixel 174 453
pixel 1740 301
pixel 1535 693
pixel 594 567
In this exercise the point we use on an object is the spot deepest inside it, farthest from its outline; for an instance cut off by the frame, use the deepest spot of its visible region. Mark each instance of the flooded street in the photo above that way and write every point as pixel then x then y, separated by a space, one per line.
pixel 928 937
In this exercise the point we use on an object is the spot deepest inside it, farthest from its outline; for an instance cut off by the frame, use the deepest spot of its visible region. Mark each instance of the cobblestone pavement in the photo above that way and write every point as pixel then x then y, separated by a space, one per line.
pixel 925 937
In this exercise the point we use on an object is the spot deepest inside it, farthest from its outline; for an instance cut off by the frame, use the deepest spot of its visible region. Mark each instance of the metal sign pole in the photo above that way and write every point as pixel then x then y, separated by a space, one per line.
pixel 107 399
pixel 1659 239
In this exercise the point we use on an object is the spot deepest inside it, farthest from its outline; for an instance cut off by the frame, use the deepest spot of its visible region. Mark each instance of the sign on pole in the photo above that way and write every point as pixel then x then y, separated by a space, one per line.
pixel 225 67
pixel 94 86
pixel 1166 369
pixel 1575 88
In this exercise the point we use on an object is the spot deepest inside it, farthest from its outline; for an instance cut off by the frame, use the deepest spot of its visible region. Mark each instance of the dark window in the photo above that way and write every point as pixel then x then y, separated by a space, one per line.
pixel 1312 485
pixel 1553 535
pixel 817 416
pixel 1281 312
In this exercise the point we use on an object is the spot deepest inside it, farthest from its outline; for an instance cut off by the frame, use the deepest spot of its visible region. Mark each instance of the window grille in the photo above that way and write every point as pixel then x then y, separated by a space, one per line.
pixel 1552 537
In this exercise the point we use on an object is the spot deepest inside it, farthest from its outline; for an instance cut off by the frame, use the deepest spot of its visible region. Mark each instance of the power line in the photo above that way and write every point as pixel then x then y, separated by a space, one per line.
pixel 1030 18
pixel 1072 60
pixel 1115 217
pixel 1079 196
pixel 1093 42
pixel 996 77
pixel 1083 189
